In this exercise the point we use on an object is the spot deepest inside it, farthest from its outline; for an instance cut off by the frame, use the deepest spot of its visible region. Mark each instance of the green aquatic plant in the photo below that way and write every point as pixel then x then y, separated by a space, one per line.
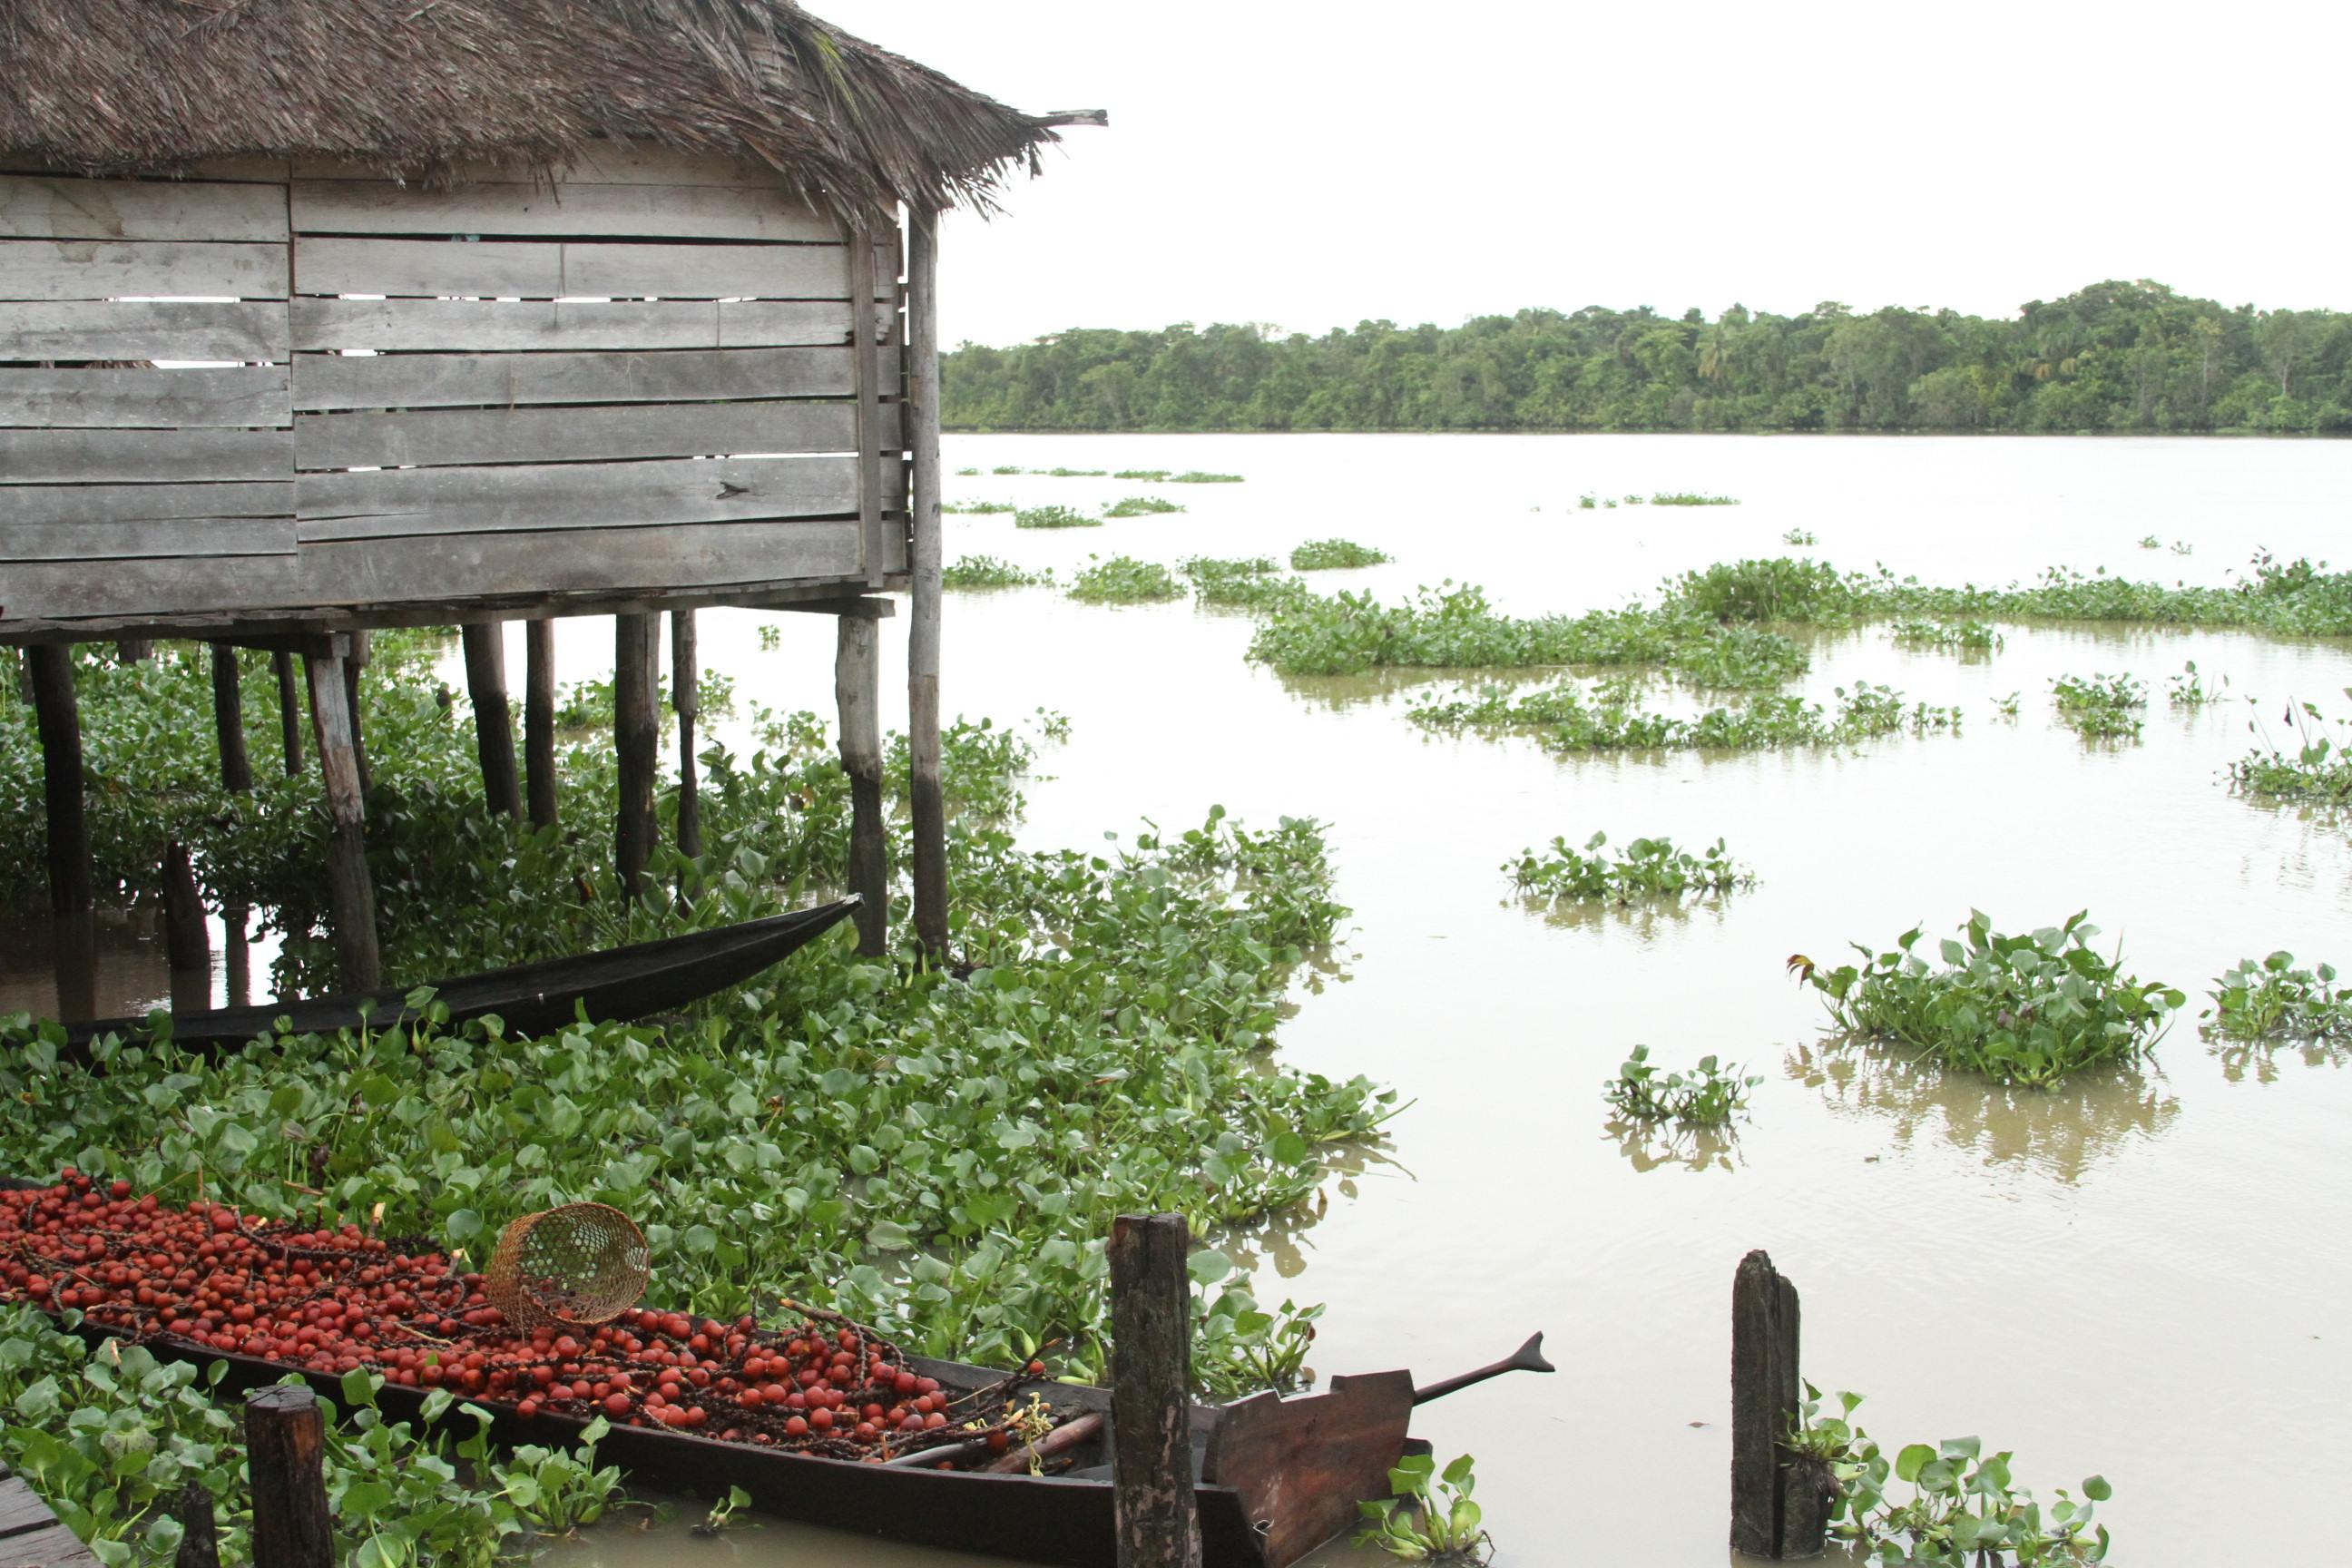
pixel 1141 506
pixel 1154 476
pixel 2032 1008
pixel 1644 869
pixel 1586 503
pixel 1964 1508
pixel 1739 657
pixel 1008 468
pixel 1195 477
pixel 1325 554
pixel 1053 516
pixel 1959 637
pixel 2273 999
pixel 1124 580
pixel 2100 707
pixel 2188 689
pixel 991 571
pixel 1429 1517
pixel 2317 772
pixel 2150 542
pixel 1771 589
pixel 977 508
pixel 966 473
pixel 1568 719
pixel 1075 473
pixel 1803 536
pixel 1708 1095
pixel 1689 498
pixel 1255 584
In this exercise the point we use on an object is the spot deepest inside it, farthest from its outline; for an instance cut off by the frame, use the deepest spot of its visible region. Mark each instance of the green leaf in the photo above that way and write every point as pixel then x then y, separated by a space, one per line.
pixel 1912 1460
pixel 2097 1488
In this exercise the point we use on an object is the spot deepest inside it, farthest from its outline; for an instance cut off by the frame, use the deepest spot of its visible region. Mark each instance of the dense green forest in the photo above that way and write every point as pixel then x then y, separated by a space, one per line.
pixel 2113 357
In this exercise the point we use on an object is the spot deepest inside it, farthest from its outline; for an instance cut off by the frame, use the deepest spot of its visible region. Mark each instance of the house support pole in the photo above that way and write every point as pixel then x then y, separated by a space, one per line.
pixel 486 688
pixel 922 417
pixel 228 720
pixel 290 711
pixel 637 740
pixel 686 700
pixel 539 719
pixel 1779 1501
pixel 350 895
pixel 1158 1520
pixel 857 687
pixel 187 944
pixel 57 713
pixel 355 662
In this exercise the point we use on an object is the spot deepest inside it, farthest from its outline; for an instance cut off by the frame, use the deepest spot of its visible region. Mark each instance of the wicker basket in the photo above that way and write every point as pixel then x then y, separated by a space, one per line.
pixel 579 1265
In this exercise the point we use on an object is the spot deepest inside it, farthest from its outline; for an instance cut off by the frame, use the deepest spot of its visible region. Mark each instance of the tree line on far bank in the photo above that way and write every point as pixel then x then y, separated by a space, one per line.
pixel 2111 357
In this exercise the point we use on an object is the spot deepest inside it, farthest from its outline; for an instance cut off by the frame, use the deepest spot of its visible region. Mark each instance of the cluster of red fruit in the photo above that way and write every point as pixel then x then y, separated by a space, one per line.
pixel 332 1300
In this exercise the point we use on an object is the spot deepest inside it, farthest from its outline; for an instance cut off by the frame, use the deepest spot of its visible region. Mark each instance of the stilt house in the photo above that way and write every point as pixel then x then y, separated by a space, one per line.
pixel 318 316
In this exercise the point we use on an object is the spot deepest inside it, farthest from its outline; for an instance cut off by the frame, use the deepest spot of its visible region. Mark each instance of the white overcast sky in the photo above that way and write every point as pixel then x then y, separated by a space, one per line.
pixel 1310 165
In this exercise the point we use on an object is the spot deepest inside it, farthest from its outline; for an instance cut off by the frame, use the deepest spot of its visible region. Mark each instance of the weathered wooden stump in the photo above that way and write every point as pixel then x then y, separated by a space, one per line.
pixel 285 1454
pixel 200 1530
pixel 1150 1396
pixel 1777 1507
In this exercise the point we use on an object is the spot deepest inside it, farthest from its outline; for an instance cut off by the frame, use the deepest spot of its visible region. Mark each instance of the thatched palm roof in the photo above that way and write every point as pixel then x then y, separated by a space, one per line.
pixel 414 87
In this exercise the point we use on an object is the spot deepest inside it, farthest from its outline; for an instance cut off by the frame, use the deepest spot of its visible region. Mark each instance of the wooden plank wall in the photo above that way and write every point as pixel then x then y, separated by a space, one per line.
pixel 638 378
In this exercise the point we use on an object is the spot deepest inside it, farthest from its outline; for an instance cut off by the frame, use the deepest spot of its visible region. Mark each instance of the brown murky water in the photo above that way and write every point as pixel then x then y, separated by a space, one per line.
pixel 2143 1277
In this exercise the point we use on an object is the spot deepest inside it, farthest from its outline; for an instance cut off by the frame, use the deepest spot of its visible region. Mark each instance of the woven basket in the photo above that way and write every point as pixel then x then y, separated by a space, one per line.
pixel 579 1265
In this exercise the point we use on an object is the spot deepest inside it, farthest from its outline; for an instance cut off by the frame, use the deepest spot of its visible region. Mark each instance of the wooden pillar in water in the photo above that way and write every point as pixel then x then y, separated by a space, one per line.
pixel 350 893
pixel 187 943
pixel 237 954
pixel 857 690
pixel 228 720
pixel 285 1456
pixel 922 418
pixel 486 688
pixel 539 719
pixel 134 651
pixel 1780 1503
pixel 355 662
pixel 636 740
pixel 290 711
pixel 1158 1523
pixel 57 711
pixel 686 700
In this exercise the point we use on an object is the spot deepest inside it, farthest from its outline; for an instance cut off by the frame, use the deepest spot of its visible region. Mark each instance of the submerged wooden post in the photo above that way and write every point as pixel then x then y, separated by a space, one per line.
pixel 857 688
pixel 57 712
pixel 486 688
pixel 1778 1505
pixel 539 719
pixel 355 662
pixel 187 944
pixel 350 894
pixel 685 674
pixel 637 740
pixel 286 1454
pixel 199 1529
pixel 929 806
pixel 228 720
pixel 1150 1392
pixel 290 711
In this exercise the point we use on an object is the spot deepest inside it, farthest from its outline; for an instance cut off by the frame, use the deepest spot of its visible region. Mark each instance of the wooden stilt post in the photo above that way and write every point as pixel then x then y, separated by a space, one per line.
pixel 486 687
pixel 20 660
pixel 1150 1392
pixel 199 1530
pixel 539 719
pixel 187 944
pixel 1779 1503
pixel 355 662
pixel 922 418
pixel 57 712
pixel 636 739
pixel 134 651
pixel 228 720
pixel 290 711
pixel 857 688
pixel 350 893
pixel 286 1455
pixel 237 954
pixel 685 674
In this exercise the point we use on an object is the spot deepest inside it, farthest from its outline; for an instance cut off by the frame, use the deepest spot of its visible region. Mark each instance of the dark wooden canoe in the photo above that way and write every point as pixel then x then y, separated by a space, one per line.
pixel 618 983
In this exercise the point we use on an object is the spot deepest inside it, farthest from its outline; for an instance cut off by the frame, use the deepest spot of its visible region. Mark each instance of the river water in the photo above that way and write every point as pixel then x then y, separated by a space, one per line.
pixel 2142 1278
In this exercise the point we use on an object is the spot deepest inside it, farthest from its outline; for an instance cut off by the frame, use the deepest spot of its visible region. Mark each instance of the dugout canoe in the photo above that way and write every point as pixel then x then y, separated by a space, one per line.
pixel 612 985
pixel 1274 1477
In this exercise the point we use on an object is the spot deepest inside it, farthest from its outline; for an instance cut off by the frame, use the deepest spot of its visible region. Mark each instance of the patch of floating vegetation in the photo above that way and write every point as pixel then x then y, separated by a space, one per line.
pixel 1196 477
pixel 1054 517
pixel 1690 498
pixel 1570 719
pixel 1801 536
pixel 1124 580
pixel 2100 707
pixel 2317 772
pixel 2031 1008
pixel 991 571
pixel 1955 636
pixel 1331 554
pixel 2273 999
pixel 981 507
pixel 1644 869
pixel 1255 582
pixel 1141 506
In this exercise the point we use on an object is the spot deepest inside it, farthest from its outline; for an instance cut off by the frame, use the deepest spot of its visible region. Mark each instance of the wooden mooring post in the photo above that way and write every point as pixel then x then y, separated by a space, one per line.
pixel 539 720
pixel 187 943
pixel 285 1454
pixel 57 711
pixel 686 702
pixel 290 711
pixel 636 740
pixel 485 689
pixel 857 690
pixel 351 892
pixel 1779 1501
pixel 1158 1523
pixel 928 805
pixel 228 720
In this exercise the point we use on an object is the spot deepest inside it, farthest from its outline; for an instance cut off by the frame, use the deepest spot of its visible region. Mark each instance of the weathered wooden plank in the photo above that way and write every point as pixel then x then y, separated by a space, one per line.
pixel 37 207
pixel 106 270
pixel 865 360
pixel 327 382
pixel 130 328
pixel 51 1546
pixel 20 1508
pixel 462 436
pixel 151 399
pixel 611 162
pixel 395 502
pixel 176 539
pixel 476 326
pixel 21 505
pixel 508 208
pixel 546 270
pixel 63 457
pixel 1152 1411
pixel 438 570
